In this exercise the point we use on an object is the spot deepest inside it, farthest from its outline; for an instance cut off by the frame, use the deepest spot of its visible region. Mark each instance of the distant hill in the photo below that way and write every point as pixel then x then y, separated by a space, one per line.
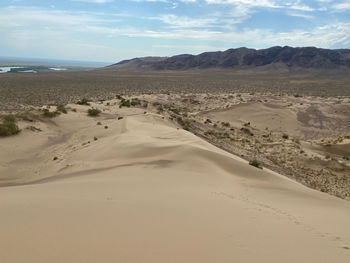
pixel 245 58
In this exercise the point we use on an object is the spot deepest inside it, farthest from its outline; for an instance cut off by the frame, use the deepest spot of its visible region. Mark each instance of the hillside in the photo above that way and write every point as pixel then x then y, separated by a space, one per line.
pixel 244 58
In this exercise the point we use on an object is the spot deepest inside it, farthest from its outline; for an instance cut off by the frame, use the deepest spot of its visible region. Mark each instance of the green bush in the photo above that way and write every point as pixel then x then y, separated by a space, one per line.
pixel 255 163
pixel 61 108
pixel 9 126
pixel 83 101
pixel 50 114
pixel 93 112
pixel 135 102
pixel 124 103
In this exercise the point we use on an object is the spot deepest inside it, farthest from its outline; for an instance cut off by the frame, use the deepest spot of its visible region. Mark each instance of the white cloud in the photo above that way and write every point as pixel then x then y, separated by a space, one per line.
pixel 186 22
pixel 342 6
pixel 300 15
pixel 94 1
pixel 252 3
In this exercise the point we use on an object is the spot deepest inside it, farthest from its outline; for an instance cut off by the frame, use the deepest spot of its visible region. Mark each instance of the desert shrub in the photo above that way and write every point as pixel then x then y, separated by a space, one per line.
pixel 9 126
pixel 184 124
pixel 135 102
pixel 93 112
pixel 50 114
pixel 61 108
pixel 225 124
pixel 120 118
pixel 285 136
pixel 247 131
pixel 99 123
pixel 95 138
pixel 176 111
pixel 119 97
pixel 207 121
pixel 83 101
pixel 255 163
pixel 106 127
pixel 124 103
pixel 55 158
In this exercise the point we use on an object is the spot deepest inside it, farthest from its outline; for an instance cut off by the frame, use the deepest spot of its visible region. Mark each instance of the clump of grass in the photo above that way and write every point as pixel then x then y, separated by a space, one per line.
pixel 217 135
pixel 9 126
pixel 99 123
pixel 50 114
pixel 285 136
pixel 247 131
pixel 184 124
pixel 255 163
pixel 225 124
pixel 83 101
pixel 135 102
pixel 176 111
pixel 119 97
pixel 61 108
pixel 93 112
pixel 95 138
pixel 55 158
pixel 124 103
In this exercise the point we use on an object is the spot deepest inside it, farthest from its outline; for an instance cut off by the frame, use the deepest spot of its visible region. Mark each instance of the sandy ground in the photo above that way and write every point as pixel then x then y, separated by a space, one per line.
pixel 146 191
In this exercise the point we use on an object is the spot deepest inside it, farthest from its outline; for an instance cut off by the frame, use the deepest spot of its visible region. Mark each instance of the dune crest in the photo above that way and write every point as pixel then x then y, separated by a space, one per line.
pixel 146 191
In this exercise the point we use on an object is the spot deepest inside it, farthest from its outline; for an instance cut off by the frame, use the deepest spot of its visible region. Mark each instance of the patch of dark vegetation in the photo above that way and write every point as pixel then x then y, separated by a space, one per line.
pixel 217 135
pixel 184 123
pixel 255 163
pixel 94 112
pixel 83 101
pixel 61 108
pixel 225 124
pixel 120 118
pixel 50 114
pixel 124 103
pixel 285 136
pixel 9 126
pixel 247 131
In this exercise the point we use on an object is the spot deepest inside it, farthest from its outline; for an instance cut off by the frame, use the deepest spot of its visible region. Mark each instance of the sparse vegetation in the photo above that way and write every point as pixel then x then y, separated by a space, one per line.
pixel 83 101
pixel 184 123
pixel 8 126
pixel 50 114
pixel 93 112
pixel 255 163
pixel 285 136
pixel 61 108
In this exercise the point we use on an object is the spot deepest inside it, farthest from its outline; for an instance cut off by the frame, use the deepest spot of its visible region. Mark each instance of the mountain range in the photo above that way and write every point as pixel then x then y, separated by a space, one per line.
pixel 245 58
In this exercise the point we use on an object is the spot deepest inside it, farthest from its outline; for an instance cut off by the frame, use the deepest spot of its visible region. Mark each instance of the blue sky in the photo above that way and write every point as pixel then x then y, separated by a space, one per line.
pixel 112 30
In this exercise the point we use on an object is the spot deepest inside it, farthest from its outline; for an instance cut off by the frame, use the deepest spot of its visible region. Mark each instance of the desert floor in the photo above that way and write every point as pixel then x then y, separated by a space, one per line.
pixel 142 189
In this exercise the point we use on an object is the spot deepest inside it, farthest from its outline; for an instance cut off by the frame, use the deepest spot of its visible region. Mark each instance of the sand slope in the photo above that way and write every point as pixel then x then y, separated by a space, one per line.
pixel 149 192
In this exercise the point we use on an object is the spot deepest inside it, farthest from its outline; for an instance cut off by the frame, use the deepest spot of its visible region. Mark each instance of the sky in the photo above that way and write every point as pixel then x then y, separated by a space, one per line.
pixel 113 30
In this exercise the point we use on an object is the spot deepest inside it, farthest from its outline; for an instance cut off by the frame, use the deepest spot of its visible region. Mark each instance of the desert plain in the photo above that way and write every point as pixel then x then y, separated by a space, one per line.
pixel 160 172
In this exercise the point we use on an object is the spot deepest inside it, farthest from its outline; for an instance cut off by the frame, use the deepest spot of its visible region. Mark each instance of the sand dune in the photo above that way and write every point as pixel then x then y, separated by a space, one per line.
pixel 146 191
